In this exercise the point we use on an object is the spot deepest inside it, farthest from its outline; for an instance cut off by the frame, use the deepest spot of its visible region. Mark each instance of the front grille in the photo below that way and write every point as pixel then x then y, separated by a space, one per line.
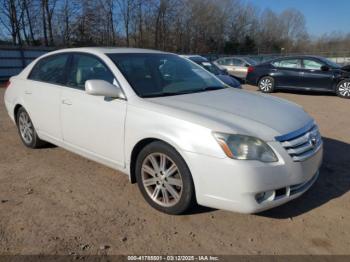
pixel 302 143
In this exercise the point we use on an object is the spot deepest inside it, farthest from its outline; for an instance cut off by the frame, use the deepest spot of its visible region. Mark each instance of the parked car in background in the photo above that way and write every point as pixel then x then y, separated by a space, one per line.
pixel 220 73
pixel 236 66
pixel 301 72
pixel 170 125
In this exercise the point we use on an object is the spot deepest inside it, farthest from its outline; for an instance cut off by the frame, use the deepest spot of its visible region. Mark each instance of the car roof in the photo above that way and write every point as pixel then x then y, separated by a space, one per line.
pixel 297 57
pixel 108 50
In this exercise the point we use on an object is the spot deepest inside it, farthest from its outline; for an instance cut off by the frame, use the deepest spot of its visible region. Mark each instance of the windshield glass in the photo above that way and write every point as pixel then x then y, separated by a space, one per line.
pixel 330 63
pixel 153 75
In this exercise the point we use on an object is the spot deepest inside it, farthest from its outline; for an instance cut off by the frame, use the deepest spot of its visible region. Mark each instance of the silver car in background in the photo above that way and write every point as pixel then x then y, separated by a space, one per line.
pixel 236 66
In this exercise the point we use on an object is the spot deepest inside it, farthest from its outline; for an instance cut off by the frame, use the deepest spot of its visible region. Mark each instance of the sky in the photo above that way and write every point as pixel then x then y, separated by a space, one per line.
pixel 322 16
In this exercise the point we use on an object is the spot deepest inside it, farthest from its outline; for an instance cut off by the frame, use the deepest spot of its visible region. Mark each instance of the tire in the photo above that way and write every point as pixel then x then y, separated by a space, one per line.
pixel 343 89
pixel 27 131
pixel 266 84
pixel 162 173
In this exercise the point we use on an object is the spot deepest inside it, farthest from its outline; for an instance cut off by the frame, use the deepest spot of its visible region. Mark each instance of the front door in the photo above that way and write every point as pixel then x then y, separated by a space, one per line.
pixel 92 124
pixel 314 77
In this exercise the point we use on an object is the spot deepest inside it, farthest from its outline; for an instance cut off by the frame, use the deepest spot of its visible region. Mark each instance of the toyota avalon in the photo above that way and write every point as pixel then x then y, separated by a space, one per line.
pixel 174 128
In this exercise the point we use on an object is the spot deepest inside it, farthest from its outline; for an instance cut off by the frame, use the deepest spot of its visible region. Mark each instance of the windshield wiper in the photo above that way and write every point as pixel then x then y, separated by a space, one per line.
pixel 209 88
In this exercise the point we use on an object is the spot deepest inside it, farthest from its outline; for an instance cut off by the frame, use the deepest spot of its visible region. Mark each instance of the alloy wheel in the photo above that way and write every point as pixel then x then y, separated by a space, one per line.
pixel 265 85
pixel 162 179
pixel 344 89
pixel 26 127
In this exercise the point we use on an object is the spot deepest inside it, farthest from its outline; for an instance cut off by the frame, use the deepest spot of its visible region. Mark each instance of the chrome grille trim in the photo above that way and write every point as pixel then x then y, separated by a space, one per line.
pixel 302 143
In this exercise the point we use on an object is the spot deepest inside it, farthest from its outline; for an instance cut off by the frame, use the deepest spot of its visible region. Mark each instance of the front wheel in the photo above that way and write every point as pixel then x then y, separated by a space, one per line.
pixel 343 89
pixel 266 84
pixel 164 179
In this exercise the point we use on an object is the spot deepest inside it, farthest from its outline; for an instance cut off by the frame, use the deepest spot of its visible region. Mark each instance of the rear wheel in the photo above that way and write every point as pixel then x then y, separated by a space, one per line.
pixel 266 84
pixel 164 179
pixel 27 131
pixel 343 89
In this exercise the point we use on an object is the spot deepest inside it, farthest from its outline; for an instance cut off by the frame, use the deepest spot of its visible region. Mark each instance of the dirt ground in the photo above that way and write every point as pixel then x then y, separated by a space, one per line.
pixel 55 202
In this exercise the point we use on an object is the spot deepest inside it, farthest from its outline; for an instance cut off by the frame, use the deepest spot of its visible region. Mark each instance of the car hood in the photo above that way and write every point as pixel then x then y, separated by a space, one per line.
pixel 236 111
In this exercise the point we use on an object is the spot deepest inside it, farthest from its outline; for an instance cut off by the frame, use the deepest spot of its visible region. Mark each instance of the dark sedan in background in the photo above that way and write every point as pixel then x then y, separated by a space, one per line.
pixel 212 68
pixel 301 72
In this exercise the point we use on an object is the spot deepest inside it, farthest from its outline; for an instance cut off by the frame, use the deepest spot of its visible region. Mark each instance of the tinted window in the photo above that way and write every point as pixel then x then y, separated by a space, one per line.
pixel 153 75
pixel 312 64
pixel 50 69
pixel 288 63
pixel 87 67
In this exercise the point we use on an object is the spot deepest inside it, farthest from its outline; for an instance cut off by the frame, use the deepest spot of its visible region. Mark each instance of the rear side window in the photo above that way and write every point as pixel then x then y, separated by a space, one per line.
pixel 288 63
pixel 87 67
pixel 50 69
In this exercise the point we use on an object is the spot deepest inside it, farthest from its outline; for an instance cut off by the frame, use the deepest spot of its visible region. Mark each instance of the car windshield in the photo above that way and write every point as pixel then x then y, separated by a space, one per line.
pixel 330 63
pixel 154 75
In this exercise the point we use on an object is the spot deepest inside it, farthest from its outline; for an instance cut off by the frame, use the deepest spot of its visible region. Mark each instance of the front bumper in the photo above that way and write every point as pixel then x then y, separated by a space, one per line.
pixel 235 185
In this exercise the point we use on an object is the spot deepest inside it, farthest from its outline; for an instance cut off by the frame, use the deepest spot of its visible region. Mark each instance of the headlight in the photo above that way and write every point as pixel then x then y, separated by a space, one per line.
pixel 245 147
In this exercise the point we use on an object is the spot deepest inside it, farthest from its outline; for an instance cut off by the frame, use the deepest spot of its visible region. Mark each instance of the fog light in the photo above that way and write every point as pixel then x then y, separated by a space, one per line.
pixel 260 197
pixel 263 196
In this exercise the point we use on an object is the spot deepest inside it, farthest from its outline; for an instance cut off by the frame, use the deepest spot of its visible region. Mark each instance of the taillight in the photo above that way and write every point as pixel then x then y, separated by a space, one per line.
pixel 250 69
pixel 7 84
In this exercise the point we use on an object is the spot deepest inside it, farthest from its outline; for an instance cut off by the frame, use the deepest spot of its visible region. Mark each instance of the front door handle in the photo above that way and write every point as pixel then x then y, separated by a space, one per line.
pixel 302 73
pixel 66 102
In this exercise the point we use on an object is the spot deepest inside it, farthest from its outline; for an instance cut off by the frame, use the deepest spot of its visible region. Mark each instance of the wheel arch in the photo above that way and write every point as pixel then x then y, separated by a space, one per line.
pixel 15 111
pixel 137 149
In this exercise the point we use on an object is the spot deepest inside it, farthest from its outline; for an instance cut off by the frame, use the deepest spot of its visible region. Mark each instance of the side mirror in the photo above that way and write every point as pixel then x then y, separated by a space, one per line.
pixel 324 68
pixel 247 65
pixel 103 88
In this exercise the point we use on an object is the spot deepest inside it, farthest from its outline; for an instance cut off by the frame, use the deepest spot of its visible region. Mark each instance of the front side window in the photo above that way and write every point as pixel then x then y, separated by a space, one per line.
pixel 50 69
pixel 152 75
pixel 87 67
pixel 288 63
pixel 312 64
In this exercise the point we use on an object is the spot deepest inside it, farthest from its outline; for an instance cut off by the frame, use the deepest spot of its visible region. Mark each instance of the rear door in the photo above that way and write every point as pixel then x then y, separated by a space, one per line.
pixel 288 73
pixel 239 68
pixel 314 77
pixel 42 94
pixel 92 124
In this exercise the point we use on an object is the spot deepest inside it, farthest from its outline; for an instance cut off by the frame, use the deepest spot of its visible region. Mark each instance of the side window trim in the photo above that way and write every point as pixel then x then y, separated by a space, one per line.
pixel 68 66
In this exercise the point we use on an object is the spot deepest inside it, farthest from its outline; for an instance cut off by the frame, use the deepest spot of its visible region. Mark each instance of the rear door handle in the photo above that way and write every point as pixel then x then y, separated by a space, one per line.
pixel 66 102
pixel 26 92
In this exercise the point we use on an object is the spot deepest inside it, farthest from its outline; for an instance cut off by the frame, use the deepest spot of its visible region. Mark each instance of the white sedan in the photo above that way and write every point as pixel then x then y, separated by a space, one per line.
pixel 171 126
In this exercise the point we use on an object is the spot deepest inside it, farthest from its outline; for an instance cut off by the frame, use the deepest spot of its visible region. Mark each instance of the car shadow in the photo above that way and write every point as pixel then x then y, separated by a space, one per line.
pixel 306 92
pixel 333 182
pixel 197 209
